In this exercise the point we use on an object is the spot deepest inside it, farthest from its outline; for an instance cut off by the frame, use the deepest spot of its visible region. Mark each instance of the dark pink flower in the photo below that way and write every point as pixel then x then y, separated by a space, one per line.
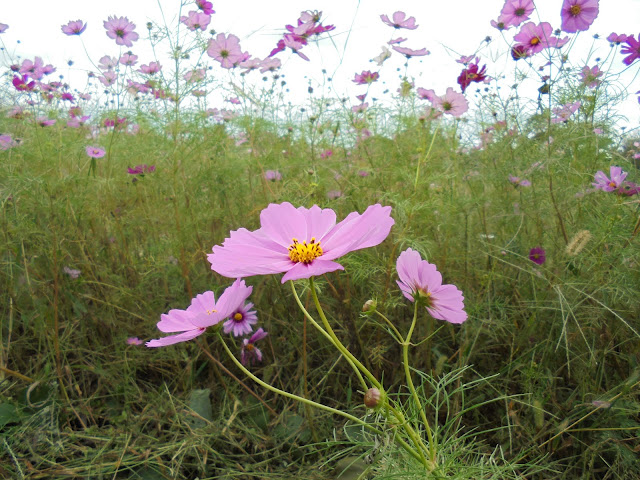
pixel 519 51
pixel 74 28
pixel 400 20
pixel 471 74
pixel 421 281
pixel 226 50
pixel 23 84
pixel 514 12
pixel 366 77
pixel 141 169
pixel 578 14
pixel 409 52
pixel 299 242
pixel 249 351
pixel 632 49
pixel 537 255
pixel 205 6
pixel 121 30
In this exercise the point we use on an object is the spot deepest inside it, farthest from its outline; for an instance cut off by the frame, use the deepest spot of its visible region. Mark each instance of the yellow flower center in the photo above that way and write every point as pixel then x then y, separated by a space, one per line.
pixel 535 41
pixel 249 346
pixel 575 10
pixel 612 184
pixel 237 317
pixel 304 252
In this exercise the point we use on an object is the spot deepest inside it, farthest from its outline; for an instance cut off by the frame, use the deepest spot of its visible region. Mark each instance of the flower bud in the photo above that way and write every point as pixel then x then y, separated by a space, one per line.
pixel 373 398
pixel 369 306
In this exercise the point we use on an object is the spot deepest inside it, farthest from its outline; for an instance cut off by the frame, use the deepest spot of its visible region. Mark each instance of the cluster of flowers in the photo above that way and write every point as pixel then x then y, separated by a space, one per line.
pixel 301 243
pixel 297 37
pixel 616 183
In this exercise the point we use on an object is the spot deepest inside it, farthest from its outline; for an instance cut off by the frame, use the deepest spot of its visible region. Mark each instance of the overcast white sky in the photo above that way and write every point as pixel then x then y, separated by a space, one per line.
pixel 447 29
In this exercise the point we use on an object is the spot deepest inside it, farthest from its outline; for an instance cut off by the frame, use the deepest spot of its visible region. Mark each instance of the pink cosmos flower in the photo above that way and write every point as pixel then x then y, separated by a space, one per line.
pixel 72 272
pixel 610 184
pixel 564 112
pixel 327 153
pixel 632 49
pixel 239 322
pixel 400 20
pixel 205 6
pixel 6 142
pixel 95 152
pixel 420 280
pixel 535 38
pixel 537 255
pixel 299 242
pixel 249 351
pixel 121 30
pixel 272 175
pixel 107 63
pixel 34 69
pixel 514 12
pixel 3 27
pixel 270 65
pixel 196 20
pixel 74 28
pixel 203 312
pixel 409 52
pixel 194 75
pixel 590 76
pixel 578 14
pixel 45 122
pixel 617 39
pixel 471 74
pixel 226 50
pixel 134 341
pixel 360 108
pixel 517 182
pixel 151 69
pixel 141 169
pixel 108 78
pixel 23 84
pixel 333 194
pixel 395 41
pixel 452 103
pixel 499 24
pixel 128 59
pixel 366 77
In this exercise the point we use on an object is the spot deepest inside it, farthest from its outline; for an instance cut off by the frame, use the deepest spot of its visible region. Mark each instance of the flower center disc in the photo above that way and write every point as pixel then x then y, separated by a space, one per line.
pixel 237 317
pixel 304 252
pixel 535 41
pixel 575 10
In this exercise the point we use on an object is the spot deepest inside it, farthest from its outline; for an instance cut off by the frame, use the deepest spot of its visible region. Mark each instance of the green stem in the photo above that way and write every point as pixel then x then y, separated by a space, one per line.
pixel 324 332
pixel 414 393
pixel 336 341
pixel 426 155
pixel 393 327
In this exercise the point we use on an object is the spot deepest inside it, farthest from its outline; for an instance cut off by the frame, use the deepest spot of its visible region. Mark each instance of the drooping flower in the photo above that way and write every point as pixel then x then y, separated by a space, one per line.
pixel 578 14
pixel 420 280
pixel 452 103
pixel 366 77
pixel 610 184
pixel 300 242
pixel 380 59
pixel 95 152
pixel 203 312
pixel 249 351
pixel 74 28
pixel 205 6
pixel 239 322
pixel 410 52
pixel 121 30
pixel 514 12
pixel 471 73
pixel 537 255
pixel 631 48
pixel 400 20
pixel 226 50
pixel 617 39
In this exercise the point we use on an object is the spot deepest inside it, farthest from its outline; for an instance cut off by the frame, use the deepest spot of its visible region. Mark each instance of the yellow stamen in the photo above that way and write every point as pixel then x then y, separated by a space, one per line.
pixel 237 317
pixel 612 184
pixel 304 252
pixel 575 10
pixel 535 41
pixel 249 346
pixel 209 312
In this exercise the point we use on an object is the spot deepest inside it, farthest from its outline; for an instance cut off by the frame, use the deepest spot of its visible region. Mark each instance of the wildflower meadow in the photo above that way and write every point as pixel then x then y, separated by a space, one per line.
pixel 293 260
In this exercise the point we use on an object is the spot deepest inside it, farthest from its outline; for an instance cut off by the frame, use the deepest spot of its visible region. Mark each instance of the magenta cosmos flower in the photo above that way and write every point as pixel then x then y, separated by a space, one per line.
pixel 74 28
pixel 203 312
pixel 121 30
pixel 535 38
pixel 400 20
pixel 300 242
pixel 609 184
pixel 631 48
pixel 205 6
pixel 240 321
pixel 249 350
pixel 421 279
pixel 472 73
pixel 514 12
pixel 537 255
pixel 226 50
pixel 578 14
pixel 95 152
pixel 615 38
